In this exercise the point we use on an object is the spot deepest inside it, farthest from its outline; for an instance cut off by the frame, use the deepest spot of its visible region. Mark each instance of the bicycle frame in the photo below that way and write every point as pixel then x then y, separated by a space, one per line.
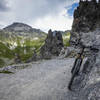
pixel 76 68
pixel 77 65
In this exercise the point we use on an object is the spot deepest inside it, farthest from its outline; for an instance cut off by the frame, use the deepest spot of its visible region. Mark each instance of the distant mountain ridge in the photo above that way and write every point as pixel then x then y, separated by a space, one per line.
pixel 22 39
pixel 20 33
pixel 21 27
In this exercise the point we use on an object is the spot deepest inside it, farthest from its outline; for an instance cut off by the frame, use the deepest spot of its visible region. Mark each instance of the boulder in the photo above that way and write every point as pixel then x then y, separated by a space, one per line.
pixel 68 52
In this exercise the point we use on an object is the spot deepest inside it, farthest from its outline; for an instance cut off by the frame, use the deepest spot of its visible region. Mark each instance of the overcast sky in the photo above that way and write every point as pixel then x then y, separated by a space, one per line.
pixel 42 14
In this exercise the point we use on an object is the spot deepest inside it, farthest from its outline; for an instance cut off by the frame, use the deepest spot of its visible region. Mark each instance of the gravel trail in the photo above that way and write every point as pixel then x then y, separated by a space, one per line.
pixel 45 80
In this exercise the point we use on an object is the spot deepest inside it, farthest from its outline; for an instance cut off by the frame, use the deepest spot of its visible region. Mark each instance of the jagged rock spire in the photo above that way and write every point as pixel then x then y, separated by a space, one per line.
pixel 81 1
pixel 88 0
pixel 94 1
pixel 53 45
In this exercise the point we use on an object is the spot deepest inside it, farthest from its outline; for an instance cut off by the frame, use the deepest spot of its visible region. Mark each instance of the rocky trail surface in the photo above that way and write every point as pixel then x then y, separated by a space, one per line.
pixel 45 80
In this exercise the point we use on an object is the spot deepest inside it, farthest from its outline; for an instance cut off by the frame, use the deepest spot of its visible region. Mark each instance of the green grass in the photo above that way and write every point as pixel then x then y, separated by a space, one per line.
pixel 24 46
pixel 5 51
pixel 25 51
pixel 6 72
pixel 2 63
pixel 66 38
pixel 25 57
pixel 29 46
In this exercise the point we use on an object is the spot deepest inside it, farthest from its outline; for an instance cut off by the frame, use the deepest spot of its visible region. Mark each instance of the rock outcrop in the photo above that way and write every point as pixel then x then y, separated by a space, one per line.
pixel 87 83
pixel 86 16
pixel 53 45
pixel 86 29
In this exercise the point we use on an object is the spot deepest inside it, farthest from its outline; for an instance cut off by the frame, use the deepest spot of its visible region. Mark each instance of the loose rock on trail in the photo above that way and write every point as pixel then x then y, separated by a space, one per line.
pixel 46 80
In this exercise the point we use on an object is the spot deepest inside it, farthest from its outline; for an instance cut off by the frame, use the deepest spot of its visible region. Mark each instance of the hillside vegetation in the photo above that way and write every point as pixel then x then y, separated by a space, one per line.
pixel 14 39
pixel 66 38
pixel 20 45
pixel 21 41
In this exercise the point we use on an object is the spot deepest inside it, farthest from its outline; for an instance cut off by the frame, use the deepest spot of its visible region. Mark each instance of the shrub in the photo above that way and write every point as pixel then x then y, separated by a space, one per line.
pixel 2 63
pixel 66 38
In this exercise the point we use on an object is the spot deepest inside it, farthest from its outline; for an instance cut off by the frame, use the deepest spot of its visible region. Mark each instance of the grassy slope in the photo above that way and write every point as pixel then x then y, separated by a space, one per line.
pixel 24 46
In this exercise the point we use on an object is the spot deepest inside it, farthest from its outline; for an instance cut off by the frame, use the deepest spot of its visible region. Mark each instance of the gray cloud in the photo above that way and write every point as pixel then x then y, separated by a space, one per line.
pixel 34 9
pixel 3 6
pixel 28 11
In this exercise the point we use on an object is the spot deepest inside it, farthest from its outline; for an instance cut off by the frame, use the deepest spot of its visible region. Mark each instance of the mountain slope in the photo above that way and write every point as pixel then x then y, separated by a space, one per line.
pixel 20 38
pixel 24 30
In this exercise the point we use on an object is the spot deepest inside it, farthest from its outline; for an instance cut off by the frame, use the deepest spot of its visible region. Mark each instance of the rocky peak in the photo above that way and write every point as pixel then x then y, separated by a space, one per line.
pixel 86 16
pixel 20 27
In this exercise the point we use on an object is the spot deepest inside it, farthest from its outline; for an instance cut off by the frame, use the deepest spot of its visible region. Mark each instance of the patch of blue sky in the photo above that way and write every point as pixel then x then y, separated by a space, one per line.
pixel 71 9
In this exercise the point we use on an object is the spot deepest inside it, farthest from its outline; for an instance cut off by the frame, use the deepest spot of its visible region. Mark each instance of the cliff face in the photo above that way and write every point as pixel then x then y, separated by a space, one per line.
pixel 86 16
pixel 86 29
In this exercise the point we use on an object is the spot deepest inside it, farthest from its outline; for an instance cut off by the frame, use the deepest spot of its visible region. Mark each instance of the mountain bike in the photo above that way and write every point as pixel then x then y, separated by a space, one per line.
pixel 78 62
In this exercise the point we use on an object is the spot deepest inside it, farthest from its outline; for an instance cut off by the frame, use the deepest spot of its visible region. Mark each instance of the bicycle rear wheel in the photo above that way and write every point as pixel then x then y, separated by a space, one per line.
pixel 75 72
pixel 71 81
